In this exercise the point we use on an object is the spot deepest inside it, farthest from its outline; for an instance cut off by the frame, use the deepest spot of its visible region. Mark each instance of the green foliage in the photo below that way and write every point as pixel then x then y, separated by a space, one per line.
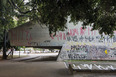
pixel 8 14
pixel 100 14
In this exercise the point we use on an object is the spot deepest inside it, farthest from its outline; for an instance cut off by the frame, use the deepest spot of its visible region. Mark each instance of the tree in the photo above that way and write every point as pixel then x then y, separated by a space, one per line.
pixel 7 15
pixel 100 14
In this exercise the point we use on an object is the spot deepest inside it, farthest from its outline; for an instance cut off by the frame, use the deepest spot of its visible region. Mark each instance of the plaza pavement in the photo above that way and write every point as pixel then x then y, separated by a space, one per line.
pixel 33 69
pixel 23 67
pixel 27 67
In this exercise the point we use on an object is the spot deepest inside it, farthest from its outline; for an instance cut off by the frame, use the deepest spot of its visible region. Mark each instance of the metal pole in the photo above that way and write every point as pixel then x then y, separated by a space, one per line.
pixel 19 53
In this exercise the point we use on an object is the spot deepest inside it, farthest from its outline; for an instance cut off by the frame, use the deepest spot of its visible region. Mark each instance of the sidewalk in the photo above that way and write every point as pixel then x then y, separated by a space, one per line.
pixel 21 68
pixel 33 69
pixel 9 68
pixel 38 57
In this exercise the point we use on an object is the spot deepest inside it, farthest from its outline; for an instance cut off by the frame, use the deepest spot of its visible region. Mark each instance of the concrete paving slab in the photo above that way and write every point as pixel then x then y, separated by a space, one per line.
pixel 10 68
pixel 33 69
pixel 36 57
pixel 24 58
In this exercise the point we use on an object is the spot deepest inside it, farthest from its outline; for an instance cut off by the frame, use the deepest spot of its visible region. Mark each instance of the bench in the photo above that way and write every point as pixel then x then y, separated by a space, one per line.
pixel 101 68
pixel 70 69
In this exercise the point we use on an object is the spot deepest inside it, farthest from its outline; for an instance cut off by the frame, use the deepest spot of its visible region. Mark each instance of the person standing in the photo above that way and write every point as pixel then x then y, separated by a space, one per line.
pixel 12 51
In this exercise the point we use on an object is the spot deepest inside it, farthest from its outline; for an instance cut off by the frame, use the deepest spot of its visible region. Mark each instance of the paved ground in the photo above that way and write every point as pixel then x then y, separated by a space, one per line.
pixel 43 69
pixel 38 57
pixel 32 67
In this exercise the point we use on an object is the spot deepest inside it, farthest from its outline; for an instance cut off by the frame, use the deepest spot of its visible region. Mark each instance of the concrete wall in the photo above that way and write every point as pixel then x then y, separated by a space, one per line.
pixel 87 51
pixel 34 34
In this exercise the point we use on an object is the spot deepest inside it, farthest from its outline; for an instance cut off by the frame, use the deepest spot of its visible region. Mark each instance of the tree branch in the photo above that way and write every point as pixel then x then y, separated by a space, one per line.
pixel 21 2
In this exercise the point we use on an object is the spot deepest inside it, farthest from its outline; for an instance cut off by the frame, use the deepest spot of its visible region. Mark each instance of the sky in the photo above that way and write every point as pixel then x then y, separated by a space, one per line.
pixel 26 1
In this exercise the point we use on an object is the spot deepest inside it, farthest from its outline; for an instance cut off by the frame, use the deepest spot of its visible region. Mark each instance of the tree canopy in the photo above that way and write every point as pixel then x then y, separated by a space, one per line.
pixel 100 14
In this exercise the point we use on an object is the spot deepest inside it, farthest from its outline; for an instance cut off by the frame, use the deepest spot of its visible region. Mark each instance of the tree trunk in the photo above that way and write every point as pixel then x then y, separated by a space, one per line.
pixel 4 45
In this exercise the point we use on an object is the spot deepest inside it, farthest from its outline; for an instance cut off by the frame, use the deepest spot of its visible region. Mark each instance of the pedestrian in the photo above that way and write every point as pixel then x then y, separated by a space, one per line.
pixel 12 51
